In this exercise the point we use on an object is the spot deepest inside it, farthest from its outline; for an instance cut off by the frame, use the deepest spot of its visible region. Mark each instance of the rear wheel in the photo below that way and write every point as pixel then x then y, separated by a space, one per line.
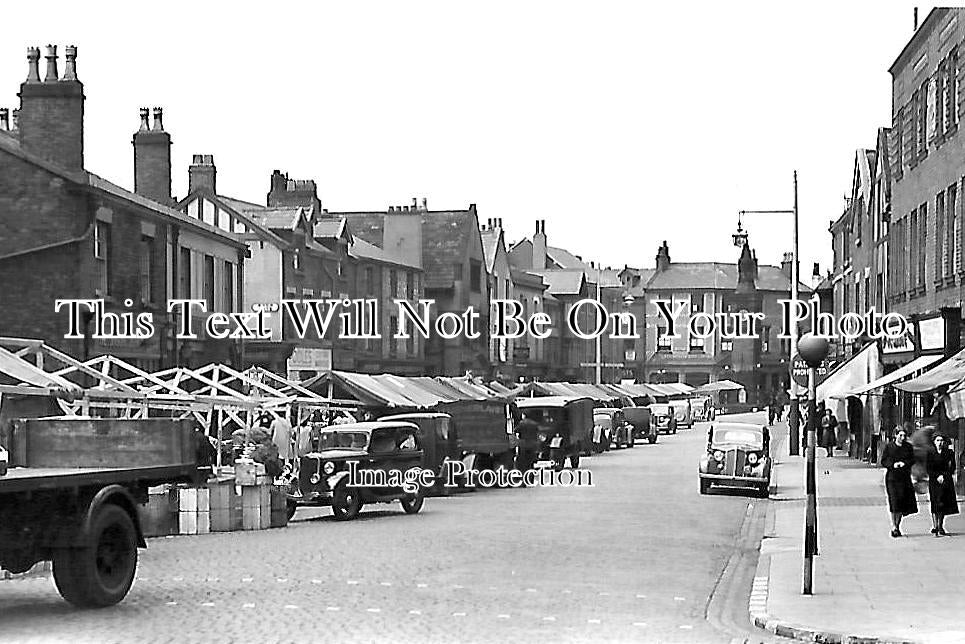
pixel 763 491
pixel 346 503
pixel 290 508
pixel 575 460
pixel 412 503
pixel 652 439
pixel 102 573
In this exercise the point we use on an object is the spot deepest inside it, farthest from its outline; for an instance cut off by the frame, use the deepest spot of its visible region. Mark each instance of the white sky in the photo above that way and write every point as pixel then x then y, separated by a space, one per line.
pixel 620 123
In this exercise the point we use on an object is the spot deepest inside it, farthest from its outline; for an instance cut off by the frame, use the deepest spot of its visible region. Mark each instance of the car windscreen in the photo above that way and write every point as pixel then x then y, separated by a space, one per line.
pixel 738 436
pixel 343 440
pixel 660 409
pixel 603 420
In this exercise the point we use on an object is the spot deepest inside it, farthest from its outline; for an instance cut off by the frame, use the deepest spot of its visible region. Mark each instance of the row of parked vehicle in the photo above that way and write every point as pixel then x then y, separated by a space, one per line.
pixel 355 464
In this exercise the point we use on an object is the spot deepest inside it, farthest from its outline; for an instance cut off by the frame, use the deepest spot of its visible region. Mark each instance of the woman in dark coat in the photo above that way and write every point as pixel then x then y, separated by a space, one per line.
pixel 897 458
pixel 940 465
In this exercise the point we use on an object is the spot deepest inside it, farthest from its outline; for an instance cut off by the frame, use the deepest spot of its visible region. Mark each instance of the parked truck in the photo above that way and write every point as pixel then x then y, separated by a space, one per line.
pixel 71 491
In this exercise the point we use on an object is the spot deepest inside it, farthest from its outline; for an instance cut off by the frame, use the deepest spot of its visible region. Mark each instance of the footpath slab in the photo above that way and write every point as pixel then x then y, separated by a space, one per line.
pixel 868 586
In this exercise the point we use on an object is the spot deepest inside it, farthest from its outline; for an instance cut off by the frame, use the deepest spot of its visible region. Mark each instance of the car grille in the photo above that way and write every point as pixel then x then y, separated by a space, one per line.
pixel 734 460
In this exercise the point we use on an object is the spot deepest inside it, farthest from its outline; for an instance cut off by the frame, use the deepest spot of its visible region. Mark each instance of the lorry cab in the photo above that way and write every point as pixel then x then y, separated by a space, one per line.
pixel 565 427
pixel 437 434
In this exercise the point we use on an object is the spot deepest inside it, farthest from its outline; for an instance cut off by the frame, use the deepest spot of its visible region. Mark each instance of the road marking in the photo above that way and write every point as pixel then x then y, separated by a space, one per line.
pixel 316 581
pixel 457 587
pixel 248 606
pixel 386 583
pixel 332 608
pixel 531 590
pixel 207 604
pixel 679 599
pixel 281 581
pixel 421 585
pixel 178 578
pixel 415 612
pixel 686 627
pixel 549 619
pixel 604 594
pixel 567 591
pixel 374 610
pixel 458 614
pixel 291 607
pixel 171 604
pixel 248 580
pixel 639 623
pixel 641 596
pixel 592 621
pixel 352 582
pixel 502 616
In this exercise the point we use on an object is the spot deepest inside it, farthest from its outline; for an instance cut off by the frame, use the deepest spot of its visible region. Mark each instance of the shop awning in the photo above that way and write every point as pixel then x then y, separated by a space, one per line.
pixel 857 372
pixel 919 363
pixel 719 385
pixel 946 373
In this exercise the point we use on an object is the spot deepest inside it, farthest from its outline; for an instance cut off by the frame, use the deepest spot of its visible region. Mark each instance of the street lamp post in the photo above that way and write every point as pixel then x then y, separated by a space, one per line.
pixel 599 344
pixel 794 418
pixel 813 351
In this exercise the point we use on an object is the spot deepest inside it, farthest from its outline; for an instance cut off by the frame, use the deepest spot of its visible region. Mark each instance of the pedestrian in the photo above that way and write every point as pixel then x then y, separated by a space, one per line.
pixel 527 433
pixel 940 464
pixel 281 436
pixel 829 427
pixel 897 458
pixel 771 408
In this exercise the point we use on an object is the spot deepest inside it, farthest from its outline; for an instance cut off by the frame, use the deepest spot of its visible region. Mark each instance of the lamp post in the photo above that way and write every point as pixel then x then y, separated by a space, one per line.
pixel 794 418
pixel 813 350
pixel 599 342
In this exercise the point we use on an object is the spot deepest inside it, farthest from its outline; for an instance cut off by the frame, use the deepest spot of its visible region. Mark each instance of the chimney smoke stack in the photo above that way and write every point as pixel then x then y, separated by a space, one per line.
pixel 33 65
pixel 425 204
pixel 15 120
pixel 158 123
pixel 51 57
pixel 4 119
pixel 70 66
pixel 145 125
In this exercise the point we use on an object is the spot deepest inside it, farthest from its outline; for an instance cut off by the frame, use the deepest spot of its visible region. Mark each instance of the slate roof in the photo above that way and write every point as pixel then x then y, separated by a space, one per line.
pixel 367 225
pixel 561 281
pixel 281 218
pixel 364 250
pixel 565 258
pixel 332 228
pixel 717 276
pixel 239 204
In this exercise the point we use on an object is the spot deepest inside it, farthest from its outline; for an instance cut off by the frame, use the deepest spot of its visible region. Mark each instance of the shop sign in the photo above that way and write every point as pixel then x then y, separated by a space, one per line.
pixel 306 359
pixel 932 334
pixel 905 343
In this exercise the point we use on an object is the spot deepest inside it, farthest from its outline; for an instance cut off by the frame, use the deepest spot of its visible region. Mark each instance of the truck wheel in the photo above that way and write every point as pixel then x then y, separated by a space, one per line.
pixel 412 503
pixel 574 461
pixel 291 507
pixel 102 573
pixel 652 439
pixel 346 503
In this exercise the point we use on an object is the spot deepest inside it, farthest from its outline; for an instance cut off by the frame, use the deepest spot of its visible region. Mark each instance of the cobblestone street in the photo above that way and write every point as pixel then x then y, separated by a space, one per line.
pixel 634 558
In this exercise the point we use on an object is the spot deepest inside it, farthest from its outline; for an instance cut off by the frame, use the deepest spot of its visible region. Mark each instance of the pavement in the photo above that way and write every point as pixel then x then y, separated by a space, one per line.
pixel 868 586
pixel 639 557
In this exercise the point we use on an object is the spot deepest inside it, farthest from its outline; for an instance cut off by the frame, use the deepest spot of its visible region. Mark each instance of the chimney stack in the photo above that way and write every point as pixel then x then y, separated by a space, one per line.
pixel 663 257
pixel 202 173
pixel 539 245
pixel 4 119
pixel 51 119
pixel 15 120
pixel 425 204
pixel 293 192
pixel 152 158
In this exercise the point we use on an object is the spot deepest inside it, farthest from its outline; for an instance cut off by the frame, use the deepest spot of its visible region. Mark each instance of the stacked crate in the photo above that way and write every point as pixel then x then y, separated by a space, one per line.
pixel 194 510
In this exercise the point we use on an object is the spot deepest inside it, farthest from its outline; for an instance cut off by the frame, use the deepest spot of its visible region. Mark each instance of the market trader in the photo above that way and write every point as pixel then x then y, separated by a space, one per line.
pixel 527 431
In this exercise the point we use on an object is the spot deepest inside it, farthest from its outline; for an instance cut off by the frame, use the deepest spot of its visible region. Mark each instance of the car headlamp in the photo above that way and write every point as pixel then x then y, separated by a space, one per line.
pixel 542 436
pixel 718 455
pixel 752 458
pixel 315 479
pixel 329 467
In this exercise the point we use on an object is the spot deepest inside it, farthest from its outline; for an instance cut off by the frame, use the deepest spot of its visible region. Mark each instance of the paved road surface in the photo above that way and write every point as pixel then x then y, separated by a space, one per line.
pixel 634 558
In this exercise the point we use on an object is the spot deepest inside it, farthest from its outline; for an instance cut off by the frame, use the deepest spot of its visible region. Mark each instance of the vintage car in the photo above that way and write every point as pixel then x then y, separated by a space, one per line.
pixel 703 408
pixel 683 411
pixel 663 416
pixel 359 463
pixel 611 418
pixel 640 419
pixel 738 456
pixel 565 427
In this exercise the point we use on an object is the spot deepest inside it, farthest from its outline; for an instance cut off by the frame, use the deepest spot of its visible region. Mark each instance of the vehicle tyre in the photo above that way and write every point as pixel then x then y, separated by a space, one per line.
pixel 412 503
pixel 652 439
pixel 291 507
pixel 704 486
pixel 346 503
pixel 102 573
pixel 764 491
pixel 574 461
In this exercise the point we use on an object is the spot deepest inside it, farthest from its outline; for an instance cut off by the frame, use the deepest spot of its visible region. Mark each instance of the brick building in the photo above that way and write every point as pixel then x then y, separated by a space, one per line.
pixel 68 233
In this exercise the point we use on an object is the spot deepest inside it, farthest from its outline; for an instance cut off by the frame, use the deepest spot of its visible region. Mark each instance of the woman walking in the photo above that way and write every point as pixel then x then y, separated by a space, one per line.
pixel 940 465
pixel 897 458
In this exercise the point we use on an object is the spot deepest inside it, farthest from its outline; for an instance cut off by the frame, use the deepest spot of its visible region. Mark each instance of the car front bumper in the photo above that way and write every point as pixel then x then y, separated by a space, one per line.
pixel 734 481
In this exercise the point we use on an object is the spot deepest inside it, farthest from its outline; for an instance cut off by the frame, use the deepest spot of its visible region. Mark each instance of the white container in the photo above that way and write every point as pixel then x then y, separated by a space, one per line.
pixel 4 460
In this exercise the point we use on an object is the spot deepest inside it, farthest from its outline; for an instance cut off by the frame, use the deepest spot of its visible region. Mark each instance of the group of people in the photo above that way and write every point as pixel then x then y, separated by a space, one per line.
pixel 898 458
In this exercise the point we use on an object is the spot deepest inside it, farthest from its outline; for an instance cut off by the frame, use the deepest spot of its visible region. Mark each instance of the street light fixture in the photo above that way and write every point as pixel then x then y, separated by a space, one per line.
pixel 794 417
pixel 813 350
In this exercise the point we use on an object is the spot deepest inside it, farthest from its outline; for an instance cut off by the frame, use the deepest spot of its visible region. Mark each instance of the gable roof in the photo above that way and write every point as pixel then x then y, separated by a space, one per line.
pixel 332 228
pixel 491 238
pixel 446 239
pixel 562 281
pixel 365 225
pixel 364 250
pixel 280 218
pixel 564 258
pixel 11 145
pixel 718 276
pixel 244 215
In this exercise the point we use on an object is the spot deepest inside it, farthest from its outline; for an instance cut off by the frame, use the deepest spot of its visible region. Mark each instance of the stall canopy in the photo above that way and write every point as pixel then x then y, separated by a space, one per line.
pixel 947 373
pixel 720 385
pixel 857 372
pixel 897 375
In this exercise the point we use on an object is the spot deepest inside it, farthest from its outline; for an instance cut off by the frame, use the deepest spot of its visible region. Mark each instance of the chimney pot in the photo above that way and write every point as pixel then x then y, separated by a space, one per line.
pixel 15 120
pixel 4 119
pixel 51 57
pixel 33 64
pixel 145 126
pixel 158 123
pixel 197 159
pixel 70 66
pixel 425 204
pixel 415 203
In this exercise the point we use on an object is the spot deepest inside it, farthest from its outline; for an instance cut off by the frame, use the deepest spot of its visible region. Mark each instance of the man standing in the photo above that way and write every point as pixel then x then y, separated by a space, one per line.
pixel 281 436
pixel 527 431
